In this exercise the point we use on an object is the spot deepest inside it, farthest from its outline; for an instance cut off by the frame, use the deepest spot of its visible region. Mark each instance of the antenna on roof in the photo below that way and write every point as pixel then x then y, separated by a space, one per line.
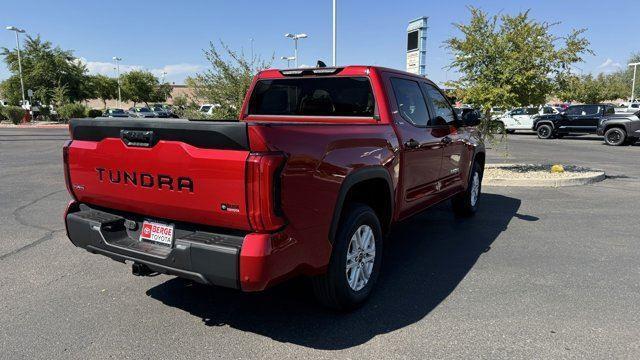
pixel 321 64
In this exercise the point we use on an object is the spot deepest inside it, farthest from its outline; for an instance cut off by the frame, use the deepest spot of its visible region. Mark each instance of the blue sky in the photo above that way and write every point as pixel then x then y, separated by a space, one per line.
pixel 170 35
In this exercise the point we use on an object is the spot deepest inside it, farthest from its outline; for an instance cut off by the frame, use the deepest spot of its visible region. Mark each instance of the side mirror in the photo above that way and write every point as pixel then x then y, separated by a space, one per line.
pixel 470 118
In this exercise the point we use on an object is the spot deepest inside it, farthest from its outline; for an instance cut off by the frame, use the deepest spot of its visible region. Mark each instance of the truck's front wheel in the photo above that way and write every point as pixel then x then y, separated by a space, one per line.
pixel 355 260
pixel 466 204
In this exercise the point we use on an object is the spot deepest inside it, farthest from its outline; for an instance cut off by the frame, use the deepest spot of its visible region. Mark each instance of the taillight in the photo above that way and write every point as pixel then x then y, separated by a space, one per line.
pixel 263 191
pixel 67 174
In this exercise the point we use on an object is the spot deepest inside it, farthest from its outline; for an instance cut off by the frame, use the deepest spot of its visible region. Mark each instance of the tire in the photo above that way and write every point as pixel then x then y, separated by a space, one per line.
pixel 615 137
pixel 333 289
pixel 465 204
pixel 545 131
pixel 500 127
pixel 510 131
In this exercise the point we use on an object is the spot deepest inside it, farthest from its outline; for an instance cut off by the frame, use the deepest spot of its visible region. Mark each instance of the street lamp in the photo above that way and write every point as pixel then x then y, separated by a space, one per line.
pixel 117 60
pixel 295 38
pixel 633 87
pixel 288 59
pixel 335 32
pixel 19 31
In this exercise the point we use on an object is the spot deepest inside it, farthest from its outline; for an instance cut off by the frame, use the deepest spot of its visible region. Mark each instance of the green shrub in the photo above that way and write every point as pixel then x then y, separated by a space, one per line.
pixel 13 113
pixel 2 117
pixel 70 111
pixel 93 113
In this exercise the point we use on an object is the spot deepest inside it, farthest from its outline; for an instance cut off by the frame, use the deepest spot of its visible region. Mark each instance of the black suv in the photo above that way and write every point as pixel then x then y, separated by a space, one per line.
pixel 620 129
pixel 577 119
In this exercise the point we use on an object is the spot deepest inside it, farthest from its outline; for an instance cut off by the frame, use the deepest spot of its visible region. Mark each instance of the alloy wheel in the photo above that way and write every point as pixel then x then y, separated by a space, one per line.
pixel 361 256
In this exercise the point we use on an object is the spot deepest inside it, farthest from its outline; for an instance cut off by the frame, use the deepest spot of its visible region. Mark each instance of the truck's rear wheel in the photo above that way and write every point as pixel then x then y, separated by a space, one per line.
pixel 466 204
pixel 355 260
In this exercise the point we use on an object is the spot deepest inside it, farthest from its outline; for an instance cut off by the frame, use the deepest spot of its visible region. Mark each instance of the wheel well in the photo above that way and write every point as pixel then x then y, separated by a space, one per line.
pixel 619 126
pixel 374 193
pixel 545 123
pixel 480 158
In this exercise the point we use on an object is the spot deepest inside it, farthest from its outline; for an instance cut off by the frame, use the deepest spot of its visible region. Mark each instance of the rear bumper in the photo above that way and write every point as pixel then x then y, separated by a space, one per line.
pixel 233 260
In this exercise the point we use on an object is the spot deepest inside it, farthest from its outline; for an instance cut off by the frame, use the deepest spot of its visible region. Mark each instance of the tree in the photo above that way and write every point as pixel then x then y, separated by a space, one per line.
pixel 180 101
pixel 509 61
pixel 595 89
pixel 43 68
pixel 624 78
pixel 227 80
pixel 104 88
pixel 142 86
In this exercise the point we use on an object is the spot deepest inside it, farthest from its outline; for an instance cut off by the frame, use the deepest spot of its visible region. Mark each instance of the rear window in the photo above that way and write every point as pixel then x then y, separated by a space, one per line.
pixel 326 96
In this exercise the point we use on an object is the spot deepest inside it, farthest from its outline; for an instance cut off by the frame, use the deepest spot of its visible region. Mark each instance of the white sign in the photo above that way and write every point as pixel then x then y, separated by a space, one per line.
pixel 413 62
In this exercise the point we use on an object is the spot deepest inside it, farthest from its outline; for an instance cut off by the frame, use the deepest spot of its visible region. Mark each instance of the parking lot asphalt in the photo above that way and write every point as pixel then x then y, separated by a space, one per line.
pixel 538 273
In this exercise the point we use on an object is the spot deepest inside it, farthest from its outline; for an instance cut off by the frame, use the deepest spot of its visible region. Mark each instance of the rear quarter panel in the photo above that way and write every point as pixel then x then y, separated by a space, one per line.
pixel 319 158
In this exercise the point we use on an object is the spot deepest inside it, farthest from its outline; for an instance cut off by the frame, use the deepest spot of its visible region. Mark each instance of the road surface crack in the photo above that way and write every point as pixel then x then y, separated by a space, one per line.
pixel 49 232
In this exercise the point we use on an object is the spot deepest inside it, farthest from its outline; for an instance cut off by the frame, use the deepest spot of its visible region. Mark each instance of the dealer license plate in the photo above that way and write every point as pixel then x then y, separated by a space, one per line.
pixel 157 233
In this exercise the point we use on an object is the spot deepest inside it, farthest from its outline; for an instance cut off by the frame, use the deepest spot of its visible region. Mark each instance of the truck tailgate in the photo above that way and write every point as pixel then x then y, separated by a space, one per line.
pixel 170 169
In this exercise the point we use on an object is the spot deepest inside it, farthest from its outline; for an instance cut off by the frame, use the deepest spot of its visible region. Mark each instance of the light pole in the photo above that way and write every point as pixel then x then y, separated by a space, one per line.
pixel 117 60
pixel 19 31
pixel 633 86
pixel 295 38
pixel 288 59
pixel 335 31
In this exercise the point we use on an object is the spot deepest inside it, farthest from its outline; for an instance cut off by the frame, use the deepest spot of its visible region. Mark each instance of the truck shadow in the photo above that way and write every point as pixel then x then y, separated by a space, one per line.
pixel 425 260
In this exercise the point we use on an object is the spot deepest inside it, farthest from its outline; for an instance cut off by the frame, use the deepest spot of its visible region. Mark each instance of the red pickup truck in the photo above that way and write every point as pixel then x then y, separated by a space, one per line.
pixel 320 165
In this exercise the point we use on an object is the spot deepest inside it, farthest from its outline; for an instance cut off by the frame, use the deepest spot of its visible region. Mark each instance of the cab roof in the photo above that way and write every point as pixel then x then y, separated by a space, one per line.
pixel 350 70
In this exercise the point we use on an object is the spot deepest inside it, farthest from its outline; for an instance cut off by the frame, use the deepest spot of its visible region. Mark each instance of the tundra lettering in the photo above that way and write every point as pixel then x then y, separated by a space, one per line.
pixel 321 163
pixel 146 180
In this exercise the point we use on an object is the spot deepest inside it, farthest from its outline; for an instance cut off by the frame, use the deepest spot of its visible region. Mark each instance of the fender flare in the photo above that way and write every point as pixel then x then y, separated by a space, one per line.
pixel 548 122
pixel 355 177
pixel 619 124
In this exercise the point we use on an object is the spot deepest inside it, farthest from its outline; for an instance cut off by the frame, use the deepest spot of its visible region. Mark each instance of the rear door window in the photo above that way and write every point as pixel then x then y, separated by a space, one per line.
pixel 318 96
pixel 591 110
pixel 532 111
pixel 574 110
pixel 410 101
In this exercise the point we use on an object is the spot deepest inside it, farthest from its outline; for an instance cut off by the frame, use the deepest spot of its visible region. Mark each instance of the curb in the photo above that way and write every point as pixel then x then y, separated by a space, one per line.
pixel 575 181
pixel 40 126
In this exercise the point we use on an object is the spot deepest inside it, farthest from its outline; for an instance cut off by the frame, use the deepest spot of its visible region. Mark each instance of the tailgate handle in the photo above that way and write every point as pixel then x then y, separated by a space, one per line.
pixel 138 138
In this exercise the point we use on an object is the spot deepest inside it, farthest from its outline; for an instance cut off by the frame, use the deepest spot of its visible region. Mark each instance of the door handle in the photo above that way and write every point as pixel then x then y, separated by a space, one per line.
pixel 411 144
pixel 446 140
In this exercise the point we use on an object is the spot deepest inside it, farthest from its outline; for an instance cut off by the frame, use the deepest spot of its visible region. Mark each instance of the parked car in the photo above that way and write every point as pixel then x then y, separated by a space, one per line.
pixel 620 129
pixel 464 111
pixel 141 112
pixel 115 113
pixel 161 112
pixel 208 108
pixel 246 204
pixel 165 109
pixel 522 118
pixel 497 112
pixel 577 119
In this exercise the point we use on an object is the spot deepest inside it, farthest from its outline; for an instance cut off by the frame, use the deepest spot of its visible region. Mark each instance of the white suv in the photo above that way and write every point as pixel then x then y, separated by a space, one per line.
pixel 522 118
